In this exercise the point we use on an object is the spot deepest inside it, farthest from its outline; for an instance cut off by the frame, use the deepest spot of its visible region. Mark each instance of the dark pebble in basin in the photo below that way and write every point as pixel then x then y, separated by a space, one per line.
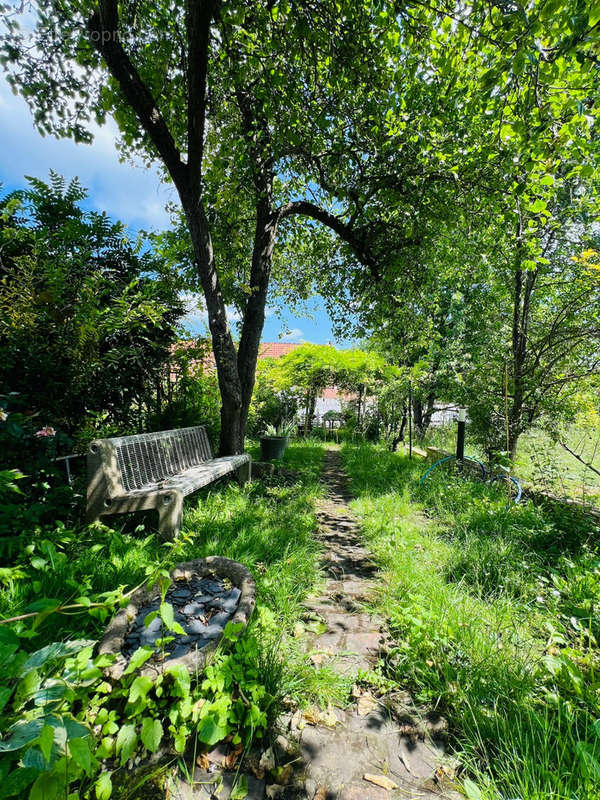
pixel 211 586
pixel 192 600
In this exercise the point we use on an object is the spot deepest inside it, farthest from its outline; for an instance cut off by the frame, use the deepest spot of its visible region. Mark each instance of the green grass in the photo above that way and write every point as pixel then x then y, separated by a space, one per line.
pixel 268 525
pixel 495 617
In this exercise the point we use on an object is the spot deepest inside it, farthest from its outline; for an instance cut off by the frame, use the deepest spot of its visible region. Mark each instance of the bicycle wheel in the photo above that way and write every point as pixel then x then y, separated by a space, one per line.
pixel 468 468
pixel 513 487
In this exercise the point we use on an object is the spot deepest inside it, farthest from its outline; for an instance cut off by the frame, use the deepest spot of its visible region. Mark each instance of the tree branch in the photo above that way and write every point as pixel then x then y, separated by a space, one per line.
pixel 579 458
pixel 103 27
pixel 199 15
pixel 346 232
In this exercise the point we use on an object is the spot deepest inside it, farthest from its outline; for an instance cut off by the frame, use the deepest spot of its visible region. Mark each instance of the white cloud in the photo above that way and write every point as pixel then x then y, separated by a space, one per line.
pixel 131 193
pixel 294 335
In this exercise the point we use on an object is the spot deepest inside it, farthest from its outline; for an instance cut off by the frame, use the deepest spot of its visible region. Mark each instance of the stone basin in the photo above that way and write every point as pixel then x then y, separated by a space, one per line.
pixel 206 594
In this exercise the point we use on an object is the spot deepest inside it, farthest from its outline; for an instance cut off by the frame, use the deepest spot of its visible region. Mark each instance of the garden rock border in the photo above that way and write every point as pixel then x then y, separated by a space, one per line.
pixel 114 636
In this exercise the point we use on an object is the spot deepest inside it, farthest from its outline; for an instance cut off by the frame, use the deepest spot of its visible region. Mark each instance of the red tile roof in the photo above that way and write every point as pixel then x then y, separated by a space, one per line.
pixel 276 349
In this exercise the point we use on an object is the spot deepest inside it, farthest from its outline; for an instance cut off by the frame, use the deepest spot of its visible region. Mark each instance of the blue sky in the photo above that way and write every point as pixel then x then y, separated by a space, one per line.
pixel 128 192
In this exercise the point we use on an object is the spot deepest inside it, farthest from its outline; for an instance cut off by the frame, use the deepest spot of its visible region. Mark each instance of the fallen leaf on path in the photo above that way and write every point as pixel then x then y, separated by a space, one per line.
pixel 315 716
pixel 233 755
pixel 267 760
pixel 366 704
pixel 282 775
pixel 321 793
pixel 203 762
pixel 381 780
pixel 259 773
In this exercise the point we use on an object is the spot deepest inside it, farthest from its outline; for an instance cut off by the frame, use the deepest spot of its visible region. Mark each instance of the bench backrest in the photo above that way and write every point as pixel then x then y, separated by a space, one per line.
pixel 131 462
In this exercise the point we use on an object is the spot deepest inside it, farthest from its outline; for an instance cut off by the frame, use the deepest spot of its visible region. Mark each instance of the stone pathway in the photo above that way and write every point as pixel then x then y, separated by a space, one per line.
pixel 385 738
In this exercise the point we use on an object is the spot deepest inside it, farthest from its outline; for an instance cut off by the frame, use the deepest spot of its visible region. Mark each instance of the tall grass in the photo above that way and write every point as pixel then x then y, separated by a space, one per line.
pixel 494 613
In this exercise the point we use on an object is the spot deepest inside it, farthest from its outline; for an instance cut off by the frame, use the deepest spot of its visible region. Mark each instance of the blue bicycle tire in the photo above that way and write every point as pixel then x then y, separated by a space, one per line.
pixel 500 476
pixel 450 458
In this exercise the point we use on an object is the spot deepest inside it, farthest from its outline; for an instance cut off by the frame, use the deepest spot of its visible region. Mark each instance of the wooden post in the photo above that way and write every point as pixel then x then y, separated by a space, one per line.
pixel 460 437
pixel 410 419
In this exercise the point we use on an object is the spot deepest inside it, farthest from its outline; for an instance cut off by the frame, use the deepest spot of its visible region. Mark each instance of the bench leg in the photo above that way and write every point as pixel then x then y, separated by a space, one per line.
pixel 170 513
pixel 243 474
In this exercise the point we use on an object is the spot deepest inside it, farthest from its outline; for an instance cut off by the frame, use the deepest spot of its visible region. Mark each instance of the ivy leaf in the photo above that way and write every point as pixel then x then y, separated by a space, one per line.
pixel 104 786
pixel 152 733
pixel 127 740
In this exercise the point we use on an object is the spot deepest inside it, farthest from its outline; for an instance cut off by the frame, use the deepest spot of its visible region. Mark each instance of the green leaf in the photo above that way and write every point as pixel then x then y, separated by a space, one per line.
pixel 5 693
pixel 181 678
pixel 140 688
pixel 471 790
pixel 22 733
pixel 240 790
pixel 152 733
pixel 18 780
pixel 538 206
pixel 104 786
pixel 75 729
pixel 213 728
pixel 46 787
pixel 141 655
pixel 81 754
pixel 46 741
pixel 149 618
pixel 167 615
pixel 55 649
pixel 588 760
pixel 127 740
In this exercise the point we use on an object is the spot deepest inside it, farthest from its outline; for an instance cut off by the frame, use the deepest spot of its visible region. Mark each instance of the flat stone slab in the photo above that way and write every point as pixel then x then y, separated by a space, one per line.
pixel 339 758
pixel 207 785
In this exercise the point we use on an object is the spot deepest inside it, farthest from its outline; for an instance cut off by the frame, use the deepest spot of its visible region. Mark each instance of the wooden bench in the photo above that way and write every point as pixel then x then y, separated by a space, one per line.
pixel 154 471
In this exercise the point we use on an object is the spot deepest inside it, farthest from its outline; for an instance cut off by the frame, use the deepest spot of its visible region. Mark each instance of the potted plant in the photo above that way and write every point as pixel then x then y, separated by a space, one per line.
pixel 275 439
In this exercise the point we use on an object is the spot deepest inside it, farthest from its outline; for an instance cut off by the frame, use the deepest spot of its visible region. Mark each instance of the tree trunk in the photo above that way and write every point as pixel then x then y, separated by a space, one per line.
pixel 231 438
pixel 358 406
pixel 254 316
pixel 403 423
pixel 523 287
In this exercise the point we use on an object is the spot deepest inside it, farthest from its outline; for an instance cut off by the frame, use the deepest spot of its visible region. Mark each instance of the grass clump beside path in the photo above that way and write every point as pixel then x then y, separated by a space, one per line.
pixel 495 613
